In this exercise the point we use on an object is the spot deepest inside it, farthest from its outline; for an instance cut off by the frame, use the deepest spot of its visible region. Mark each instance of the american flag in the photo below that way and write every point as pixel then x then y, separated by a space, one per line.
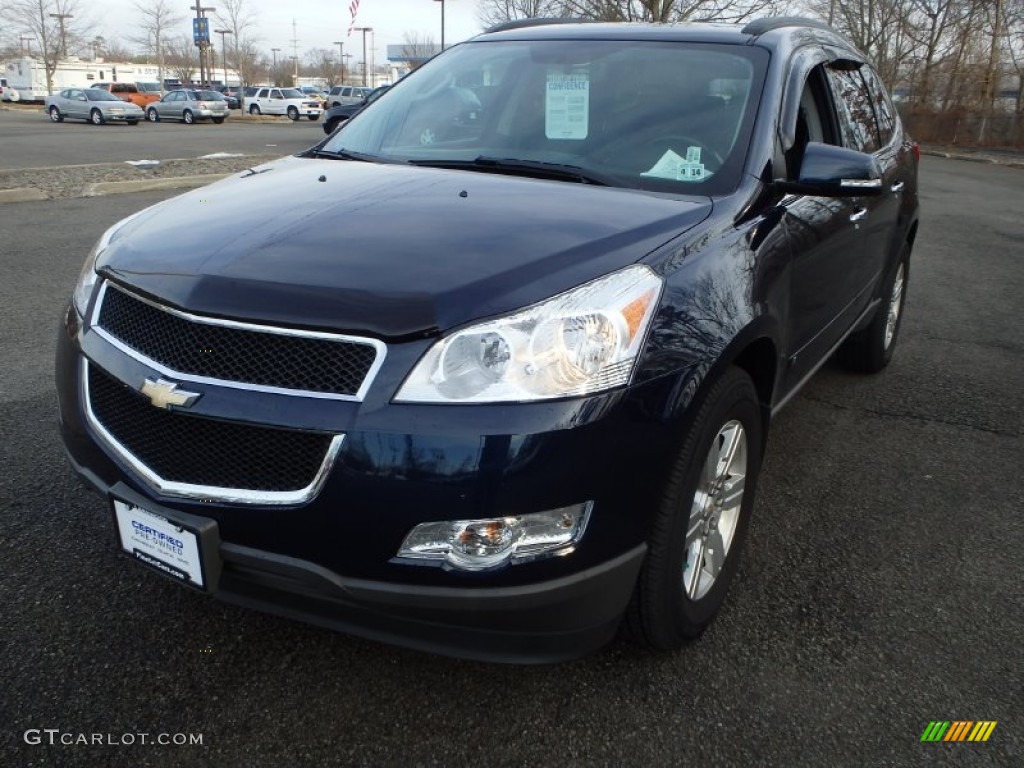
pixel 353 8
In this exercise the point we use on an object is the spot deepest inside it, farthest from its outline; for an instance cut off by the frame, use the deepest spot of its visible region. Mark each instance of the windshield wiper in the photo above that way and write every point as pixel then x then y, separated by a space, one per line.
pixel 343 154
pixel 538 168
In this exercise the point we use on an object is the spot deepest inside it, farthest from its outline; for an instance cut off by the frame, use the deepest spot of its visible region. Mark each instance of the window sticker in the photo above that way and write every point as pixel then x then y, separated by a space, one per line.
pixel 567 105
pixel 673 166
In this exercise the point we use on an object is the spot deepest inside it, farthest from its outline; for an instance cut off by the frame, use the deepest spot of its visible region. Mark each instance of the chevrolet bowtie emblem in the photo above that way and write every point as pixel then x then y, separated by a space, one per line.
pixel 164 394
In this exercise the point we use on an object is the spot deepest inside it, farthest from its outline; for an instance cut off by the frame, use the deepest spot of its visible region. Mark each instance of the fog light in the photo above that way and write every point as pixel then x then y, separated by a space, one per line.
pixel 475 545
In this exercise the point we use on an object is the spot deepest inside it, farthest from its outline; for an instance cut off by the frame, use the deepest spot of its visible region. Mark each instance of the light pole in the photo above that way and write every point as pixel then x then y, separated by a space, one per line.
pixel 295 72
pixel 275 51
pixel 442 22
pixel 364 30
pixel 341 58
pixel 63 38
pixel 224 50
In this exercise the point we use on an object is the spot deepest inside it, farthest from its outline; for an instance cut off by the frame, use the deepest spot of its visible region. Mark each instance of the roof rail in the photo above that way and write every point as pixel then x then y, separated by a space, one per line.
pixel 536 22
pixel 767 24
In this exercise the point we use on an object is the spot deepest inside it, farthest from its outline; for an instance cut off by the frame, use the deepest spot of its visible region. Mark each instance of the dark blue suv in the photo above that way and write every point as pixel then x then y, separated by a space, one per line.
pixel 491 369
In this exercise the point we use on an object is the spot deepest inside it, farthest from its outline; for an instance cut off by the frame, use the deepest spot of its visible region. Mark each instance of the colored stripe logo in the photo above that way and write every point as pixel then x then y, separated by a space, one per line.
pixel 958 730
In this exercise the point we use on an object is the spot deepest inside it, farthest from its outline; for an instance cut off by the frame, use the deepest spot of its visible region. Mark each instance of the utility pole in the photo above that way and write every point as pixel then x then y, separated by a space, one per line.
pixel 341 58
pixel 442 22
pixel 224 50
pixel 275 51
pixel 63 38
pixel 203 42
pixel 295 55
pixel 364 30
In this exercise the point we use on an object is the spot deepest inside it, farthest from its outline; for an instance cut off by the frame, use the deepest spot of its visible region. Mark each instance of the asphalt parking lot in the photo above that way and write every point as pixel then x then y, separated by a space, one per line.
pixel 29 140
pixel 880 588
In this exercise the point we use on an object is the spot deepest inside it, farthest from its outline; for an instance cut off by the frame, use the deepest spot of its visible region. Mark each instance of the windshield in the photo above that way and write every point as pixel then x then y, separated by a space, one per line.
pixel 652 115
pixel 97 94
pixel 291 93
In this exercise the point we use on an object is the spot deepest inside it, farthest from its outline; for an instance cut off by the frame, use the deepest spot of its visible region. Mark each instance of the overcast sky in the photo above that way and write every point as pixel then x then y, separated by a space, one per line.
pixel 318 22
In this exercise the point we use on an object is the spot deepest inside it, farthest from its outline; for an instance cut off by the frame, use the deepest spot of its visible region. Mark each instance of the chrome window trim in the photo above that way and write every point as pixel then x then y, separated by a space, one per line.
pixel 175 489
pixel 380 349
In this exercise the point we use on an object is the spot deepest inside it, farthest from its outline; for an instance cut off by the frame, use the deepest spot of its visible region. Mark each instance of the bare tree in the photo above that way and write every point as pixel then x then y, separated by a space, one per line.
pixel 417 49
pixel 493 12
pixel 53 25
pixel 180 58
pixel 157 17
pixel 321 65
pixel 240 18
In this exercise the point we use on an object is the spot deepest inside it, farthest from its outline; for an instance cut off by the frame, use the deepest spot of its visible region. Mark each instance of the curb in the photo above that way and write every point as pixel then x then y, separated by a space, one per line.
pixel 101 188
pixel 973 158
pixel 22 195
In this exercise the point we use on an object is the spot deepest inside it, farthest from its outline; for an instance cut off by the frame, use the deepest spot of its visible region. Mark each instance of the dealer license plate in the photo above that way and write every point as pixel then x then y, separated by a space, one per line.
pixel 160 544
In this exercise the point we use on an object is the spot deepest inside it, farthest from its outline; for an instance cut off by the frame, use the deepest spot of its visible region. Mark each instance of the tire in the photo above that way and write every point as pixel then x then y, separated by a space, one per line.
pixel 96 117
pixel 254 110
pixel 218 120
pixel 870 350
pixel 673 601
pixel 187 117
pixel 312 118
pixel 293 114
pixel 152 115
pixel 55 115
pixel 329 127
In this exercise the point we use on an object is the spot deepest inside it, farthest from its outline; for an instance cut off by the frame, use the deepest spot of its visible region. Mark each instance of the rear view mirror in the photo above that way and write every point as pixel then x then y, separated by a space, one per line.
pixel 829 171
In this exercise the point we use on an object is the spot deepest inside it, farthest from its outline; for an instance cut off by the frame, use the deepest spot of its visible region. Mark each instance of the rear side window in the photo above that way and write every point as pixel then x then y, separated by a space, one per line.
pixel 856 112
pixel 884 111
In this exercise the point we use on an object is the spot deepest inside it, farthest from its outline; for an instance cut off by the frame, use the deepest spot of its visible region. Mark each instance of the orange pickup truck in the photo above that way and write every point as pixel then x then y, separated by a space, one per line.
pixel 129 92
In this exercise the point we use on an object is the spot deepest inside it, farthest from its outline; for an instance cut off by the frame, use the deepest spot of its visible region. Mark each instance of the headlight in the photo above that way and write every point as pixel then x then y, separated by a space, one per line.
pixel 582 341
pixel 88 276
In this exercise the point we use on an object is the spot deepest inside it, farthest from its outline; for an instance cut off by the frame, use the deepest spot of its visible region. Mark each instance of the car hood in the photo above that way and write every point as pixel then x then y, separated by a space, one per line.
pixel 384 249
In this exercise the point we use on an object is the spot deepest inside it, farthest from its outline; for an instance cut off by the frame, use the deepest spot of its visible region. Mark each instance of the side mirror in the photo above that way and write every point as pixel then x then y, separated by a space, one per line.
pixel 828 171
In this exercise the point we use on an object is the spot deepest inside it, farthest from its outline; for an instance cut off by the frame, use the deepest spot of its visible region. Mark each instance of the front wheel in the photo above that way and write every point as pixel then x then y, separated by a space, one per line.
pixel 293 114
pixel 254 110
pixel 55 115
pixel 96 117
pixel 152 115
pixel 704 515
pixel 312 117
pixel 871 349
pixel 187 117
pixel 218 120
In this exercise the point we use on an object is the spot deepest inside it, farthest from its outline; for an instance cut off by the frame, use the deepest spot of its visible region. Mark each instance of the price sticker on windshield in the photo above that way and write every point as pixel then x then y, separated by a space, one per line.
pixel 567 105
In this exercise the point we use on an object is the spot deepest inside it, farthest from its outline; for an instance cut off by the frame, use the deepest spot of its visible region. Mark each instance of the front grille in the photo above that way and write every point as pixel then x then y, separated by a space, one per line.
pixel 211 349
pixel 186 449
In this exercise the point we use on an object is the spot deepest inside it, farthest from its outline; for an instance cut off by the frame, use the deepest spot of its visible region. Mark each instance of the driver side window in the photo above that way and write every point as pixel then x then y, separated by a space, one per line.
pixel 815 120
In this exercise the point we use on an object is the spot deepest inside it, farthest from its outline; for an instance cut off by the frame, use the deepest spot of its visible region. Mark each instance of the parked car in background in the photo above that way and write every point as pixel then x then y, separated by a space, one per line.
pixel 335 116
pixel 129 92
pixel 523 399
pixel 230 98
pixel 346 94
pixel 3 85
pixel 284 101
pixel 229 92
pixel 313 92
pixel 188 106
pixel 93 104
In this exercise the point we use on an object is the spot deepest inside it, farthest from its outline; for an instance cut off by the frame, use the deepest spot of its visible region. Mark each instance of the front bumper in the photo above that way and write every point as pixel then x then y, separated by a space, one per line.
pixel 331 561
pixel 123 117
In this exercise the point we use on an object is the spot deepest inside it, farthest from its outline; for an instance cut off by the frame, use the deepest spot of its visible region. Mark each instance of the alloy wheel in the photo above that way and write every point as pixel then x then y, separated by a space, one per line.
pixel 715 511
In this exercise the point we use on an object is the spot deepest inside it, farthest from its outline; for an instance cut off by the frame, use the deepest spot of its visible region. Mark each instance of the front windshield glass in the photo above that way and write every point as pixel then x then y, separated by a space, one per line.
pixel 291 93
pixel 95 94
pixel 654 115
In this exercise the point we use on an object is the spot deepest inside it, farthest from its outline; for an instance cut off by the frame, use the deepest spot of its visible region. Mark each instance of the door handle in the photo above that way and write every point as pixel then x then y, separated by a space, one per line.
pixel 897 187
pixel 859 214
